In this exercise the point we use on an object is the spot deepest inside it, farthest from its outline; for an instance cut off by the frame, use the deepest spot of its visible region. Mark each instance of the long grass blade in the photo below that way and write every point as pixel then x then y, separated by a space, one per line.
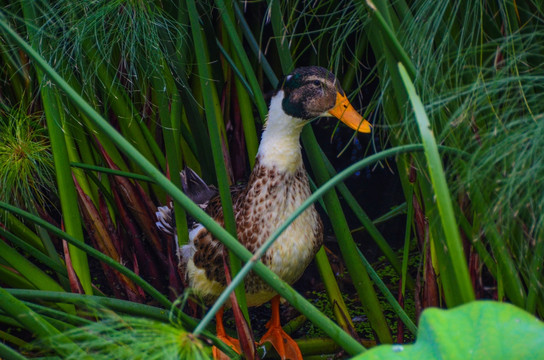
pixel 8 353
pixel 334 293
pixel 118 305
pixel 356 269
pixel 267 69
pixel 45 260
pixel 32 321
pixel 407 239
pixel 215 138
pixel 111 171
pixel 535 290
pixel 368 224
pixel 67 193
pixel 171 135
pixel 65 184
pixel 91 251
pixel 453 241
pixel 226 15
pixel 391 40
pixel 390 298
pixel 22 231
pixel 282 44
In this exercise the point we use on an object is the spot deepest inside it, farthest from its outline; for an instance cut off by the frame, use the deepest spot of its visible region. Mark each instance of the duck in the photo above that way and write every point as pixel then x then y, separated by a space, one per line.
pixel 277 186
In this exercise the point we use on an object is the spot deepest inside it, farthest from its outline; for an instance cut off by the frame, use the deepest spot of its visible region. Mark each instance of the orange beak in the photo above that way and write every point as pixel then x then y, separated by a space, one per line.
pixel 345 112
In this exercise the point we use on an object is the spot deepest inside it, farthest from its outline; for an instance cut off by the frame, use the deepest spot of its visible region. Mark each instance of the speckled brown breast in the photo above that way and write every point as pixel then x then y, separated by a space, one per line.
pixel 260 207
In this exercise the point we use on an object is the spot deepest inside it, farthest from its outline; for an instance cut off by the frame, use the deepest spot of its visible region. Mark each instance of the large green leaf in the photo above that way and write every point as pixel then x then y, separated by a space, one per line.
pixel 478 330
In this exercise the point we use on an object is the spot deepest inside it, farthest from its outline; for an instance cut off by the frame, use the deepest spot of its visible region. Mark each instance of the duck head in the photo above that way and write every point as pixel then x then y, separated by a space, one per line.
pixel 306 93
pixel 313 91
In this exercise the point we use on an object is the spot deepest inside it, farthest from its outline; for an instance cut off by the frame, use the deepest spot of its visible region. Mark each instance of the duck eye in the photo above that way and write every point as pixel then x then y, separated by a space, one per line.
pixel 316 82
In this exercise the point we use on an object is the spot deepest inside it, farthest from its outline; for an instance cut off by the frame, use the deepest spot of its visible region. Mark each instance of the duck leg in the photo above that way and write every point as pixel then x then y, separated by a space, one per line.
pixel 222 335
pixel 286 347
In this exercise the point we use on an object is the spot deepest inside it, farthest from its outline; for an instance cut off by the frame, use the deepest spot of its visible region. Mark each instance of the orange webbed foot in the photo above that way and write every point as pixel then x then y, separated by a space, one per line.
pixel 286 347
pixel 222 335
pixel 231 342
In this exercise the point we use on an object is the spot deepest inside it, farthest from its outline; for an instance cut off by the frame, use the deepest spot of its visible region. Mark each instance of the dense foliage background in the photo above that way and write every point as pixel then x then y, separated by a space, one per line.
pixel 99 99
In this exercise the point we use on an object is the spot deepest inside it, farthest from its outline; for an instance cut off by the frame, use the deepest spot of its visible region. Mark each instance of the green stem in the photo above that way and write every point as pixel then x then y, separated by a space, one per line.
pixel 241 56
pixel 8 353
pixel 30 250
pixel 407 237
pixel 65 184
pixel 356 269
pixel 535 272
pixel 368 224
pixel 106 170
pixel 390 298
pixel 339 307
pixel 280 32
pixel 391 40
pixel 50 312
pixel 453 241
pixel 123 306
pixel 27 269
pixel 210 108
pixel 22 231
pixel 171 145
pixel 255 46
pixel 91 251
pixel 32 321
